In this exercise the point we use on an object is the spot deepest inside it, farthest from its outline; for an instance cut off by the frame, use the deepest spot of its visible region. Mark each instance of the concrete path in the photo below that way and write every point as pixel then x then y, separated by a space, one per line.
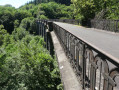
pixel 68 77
pixel 106 42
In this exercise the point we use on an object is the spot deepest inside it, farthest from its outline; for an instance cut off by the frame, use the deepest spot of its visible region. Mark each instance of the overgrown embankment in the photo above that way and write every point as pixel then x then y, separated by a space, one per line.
pixel 24 62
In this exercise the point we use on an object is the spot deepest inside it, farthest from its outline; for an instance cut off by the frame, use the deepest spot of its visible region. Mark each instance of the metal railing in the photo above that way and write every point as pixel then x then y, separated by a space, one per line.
pixel 43 29
pixel 70 21
pixel 94 70
pixel 103 24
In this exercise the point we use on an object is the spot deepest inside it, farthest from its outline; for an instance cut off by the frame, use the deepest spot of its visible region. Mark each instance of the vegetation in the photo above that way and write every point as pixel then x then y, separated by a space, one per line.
pixel 66 2
pixel 88 9
pixel 27 14
pixel 24 62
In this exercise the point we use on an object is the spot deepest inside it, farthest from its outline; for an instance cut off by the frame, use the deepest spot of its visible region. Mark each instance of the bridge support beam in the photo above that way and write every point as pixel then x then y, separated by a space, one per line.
pixel 68 76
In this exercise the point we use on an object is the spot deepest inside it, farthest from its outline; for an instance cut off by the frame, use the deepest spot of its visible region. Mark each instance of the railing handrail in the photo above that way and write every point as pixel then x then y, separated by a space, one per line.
pixel 105 24
pixel 87 60
pixel 112 58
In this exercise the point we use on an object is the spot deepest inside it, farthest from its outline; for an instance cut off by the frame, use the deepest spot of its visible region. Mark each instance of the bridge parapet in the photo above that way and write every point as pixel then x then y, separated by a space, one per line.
pixel 95 70
pixel 70 21
pixel 103 24
pixel 44 28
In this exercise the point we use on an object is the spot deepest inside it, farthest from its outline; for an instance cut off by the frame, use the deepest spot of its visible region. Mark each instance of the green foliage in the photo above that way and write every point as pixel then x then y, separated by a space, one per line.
pixel 11 17
pixel 49 10
pixel 113 10
pixel 19 33
pixel 21 14
pixel 36 2
pixel 7 17
pixel 26 64
pixel 66 2
pixel 86 8
pixel 29 8
pixel 89 8
pixel 29 24
pixel 60 87
pixel 16 23
pixel 3 32
pixel 56 11
pixel 42 17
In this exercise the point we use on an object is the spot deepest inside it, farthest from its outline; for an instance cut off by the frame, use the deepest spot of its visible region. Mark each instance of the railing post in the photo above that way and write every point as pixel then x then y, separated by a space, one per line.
pixel 116 27
pixel 49 39
pixel 38 27
pixel 50 24
pixel 84 67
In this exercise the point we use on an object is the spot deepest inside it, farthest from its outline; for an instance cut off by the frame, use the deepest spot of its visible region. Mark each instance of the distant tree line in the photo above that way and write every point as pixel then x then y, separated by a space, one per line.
pixel 11 17
pixel 66 2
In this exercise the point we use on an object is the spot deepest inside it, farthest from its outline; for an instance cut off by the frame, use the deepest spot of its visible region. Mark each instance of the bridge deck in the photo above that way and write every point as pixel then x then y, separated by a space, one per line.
pixel 103 41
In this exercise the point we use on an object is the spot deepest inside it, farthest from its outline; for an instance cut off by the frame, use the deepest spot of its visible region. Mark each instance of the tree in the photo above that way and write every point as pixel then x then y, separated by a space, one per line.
pixel 90 8
pixel 21 14
pixel 55 11
pixel 28 65
pixel 7 19
pixel 16 23
pixel 29 24
pixel 66 2
pixel 3 32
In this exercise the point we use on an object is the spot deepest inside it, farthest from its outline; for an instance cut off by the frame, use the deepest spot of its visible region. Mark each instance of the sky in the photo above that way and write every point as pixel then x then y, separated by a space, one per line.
pixel 15 3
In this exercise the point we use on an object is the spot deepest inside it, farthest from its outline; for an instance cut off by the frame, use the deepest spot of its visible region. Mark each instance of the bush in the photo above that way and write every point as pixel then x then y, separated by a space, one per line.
pixel 29 24
pixel 19 33
pixel 3 32
pixel 42 17
pixel 28 65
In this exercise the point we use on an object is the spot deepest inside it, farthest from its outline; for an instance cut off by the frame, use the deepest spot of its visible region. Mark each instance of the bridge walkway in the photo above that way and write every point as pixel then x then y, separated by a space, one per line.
pixel 104 41
pixel 88 58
